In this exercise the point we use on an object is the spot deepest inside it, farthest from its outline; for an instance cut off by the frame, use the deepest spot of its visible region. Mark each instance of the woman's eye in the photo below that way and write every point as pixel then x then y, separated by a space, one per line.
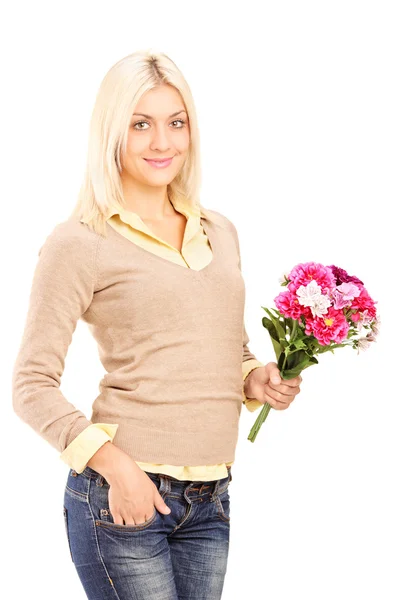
pixel 140 123
pixel 182 121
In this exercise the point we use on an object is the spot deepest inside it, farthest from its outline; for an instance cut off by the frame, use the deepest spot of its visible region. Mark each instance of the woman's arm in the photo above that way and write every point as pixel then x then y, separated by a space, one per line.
pixel 61 292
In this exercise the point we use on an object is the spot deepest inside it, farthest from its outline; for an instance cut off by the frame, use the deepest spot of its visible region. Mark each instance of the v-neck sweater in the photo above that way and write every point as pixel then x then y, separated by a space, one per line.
pixel 162 415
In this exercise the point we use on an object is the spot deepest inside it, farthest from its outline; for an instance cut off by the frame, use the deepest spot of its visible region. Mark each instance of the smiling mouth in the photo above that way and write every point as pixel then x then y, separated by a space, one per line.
pixel 159 159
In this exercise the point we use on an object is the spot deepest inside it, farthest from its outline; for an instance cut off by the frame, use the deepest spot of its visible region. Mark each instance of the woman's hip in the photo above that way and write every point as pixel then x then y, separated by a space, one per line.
pixel 120 559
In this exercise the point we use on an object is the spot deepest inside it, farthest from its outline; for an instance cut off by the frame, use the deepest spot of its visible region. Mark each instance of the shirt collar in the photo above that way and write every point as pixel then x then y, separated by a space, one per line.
pixel 192 213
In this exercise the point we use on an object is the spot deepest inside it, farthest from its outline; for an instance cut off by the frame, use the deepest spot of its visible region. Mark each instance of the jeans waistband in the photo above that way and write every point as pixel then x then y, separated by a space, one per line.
pixel 171 484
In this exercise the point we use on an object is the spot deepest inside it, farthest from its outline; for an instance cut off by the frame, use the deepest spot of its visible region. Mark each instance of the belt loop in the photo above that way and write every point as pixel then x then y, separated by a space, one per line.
pixel 165 484
pixel 215 491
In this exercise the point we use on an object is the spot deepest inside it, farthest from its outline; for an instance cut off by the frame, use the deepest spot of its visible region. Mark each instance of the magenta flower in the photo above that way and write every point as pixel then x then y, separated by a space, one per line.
pixel 303 273
pixel 363 303
pixel 288 305
pixel 342 276
pixel 332 327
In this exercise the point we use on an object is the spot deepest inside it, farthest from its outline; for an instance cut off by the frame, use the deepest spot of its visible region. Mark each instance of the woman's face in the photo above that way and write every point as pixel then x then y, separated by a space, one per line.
pixel 159 129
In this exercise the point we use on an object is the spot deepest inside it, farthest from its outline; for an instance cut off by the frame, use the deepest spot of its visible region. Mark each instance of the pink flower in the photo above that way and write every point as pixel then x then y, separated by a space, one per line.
pixel 288 305
pixel 332 327
pixel 363 303
pixel 344 294
pixel 303 273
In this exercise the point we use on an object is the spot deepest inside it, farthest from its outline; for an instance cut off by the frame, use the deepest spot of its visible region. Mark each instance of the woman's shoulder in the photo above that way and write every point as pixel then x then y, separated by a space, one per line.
pixel 217 218
pixel 72 236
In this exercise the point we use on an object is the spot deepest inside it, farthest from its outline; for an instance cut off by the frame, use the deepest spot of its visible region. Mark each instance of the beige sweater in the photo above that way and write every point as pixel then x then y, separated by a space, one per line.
pixel 171 339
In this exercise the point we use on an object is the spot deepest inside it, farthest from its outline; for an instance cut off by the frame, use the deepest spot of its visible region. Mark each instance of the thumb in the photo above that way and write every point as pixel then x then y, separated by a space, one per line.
pixel 274 373
pixel 161 506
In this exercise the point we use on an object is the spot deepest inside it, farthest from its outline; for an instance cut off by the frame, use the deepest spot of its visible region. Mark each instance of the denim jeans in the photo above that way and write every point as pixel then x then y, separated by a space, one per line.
pixel 179 556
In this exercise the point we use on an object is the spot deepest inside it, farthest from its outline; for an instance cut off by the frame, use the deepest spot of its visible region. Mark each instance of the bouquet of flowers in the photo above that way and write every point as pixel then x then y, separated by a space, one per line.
pixel 322 309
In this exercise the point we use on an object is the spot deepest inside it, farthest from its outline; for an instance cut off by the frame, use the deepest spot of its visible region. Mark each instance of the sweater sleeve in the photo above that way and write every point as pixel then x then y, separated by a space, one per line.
pixel 62 290
pixel 249 361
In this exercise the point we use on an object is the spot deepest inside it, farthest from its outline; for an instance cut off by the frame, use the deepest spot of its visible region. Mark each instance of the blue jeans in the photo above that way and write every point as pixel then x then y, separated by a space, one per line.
pixel 180 556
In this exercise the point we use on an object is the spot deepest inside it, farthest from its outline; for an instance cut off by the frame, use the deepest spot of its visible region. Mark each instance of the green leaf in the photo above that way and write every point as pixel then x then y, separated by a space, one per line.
pixel 299 344
pixel 291 373
pixel 271 328
pixel 273 335
pixel 295 372
pixel 280 331
pixel 271 316
pixel 281 360
pixel 297 357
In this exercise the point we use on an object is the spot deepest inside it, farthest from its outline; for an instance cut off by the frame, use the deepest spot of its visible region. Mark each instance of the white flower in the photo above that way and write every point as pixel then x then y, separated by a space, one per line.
pixel 376 325
pixel 359 326
pixel 365 319
pixel 310 295
pixel 363 344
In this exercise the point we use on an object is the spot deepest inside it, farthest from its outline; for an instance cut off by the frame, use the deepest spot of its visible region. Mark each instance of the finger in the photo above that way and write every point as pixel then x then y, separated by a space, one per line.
pixel 284 389
pixel 117 518
pixel 274 373
pixel 293 382
pixel 276 404
pixel 289 391
pixel 281 393
pixel 275 377
pixel 275 398
pixel 129 520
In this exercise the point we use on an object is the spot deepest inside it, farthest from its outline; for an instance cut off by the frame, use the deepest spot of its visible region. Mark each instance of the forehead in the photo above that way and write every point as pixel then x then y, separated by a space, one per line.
pixel 160 102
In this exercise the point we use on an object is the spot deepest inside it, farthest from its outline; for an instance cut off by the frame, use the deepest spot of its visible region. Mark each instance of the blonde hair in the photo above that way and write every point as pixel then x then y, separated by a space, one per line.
pixel 119 92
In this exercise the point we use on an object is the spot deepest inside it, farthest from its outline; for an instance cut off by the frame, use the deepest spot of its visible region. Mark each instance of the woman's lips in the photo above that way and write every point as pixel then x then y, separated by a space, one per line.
pixel 159 164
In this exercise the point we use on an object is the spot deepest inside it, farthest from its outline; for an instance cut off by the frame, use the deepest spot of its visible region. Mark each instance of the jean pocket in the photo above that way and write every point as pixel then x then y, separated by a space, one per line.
pixel 66 531
pixel 106 521
pixel 100 507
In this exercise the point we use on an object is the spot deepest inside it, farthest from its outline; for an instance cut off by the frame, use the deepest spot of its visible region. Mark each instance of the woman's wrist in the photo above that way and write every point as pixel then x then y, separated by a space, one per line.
pixel 102 460
pixel 108 459
pixel 247 387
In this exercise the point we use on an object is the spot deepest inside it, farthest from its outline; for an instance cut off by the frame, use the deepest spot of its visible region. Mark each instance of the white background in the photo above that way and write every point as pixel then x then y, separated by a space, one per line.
pixel 298 106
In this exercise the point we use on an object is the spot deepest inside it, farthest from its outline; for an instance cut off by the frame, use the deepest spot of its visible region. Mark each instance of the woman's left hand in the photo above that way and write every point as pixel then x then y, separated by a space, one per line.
pixel 266 385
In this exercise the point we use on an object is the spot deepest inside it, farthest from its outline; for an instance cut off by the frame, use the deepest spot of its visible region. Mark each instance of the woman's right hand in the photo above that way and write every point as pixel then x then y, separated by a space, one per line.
pixel 132 495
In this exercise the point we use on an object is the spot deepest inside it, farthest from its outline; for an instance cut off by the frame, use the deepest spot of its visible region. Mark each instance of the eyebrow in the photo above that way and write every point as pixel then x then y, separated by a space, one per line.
pixel 149 117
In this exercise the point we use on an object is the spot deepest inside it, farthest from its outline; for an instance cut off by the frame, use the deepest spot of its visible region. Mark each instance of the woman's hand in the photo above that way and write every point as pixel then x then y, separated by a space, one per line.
pixel 132 495
pixel 266 385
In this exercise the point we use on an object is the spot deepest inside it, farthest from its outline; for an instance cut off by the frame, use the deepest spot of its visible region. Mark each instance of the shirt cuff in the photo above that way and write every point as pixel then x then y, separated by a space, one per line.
pixel 78 453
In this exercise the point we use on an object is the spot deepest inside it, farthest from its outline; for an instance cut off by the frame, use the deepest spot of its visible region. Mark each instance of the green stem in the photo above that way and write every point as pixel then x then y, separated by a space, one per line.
pixel 267 407
pixel 262 416
pixel 259 421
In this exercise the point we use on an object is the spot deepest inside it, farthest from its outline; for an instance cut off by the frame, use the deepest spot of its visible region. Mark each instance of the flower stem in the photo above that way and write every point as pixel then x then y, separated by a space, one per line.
pixel 259 421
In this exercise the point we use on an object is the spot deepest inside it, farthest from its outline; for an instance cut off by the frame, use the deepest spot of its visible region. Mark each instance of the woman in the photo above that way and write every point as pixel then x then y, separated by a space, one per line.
pixel 157 279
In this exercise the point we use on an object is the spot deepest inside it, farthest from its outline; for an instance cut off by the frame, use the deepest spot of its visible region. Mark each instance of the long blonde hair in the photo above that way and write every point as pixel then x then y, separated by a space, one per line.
pixel 119 92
